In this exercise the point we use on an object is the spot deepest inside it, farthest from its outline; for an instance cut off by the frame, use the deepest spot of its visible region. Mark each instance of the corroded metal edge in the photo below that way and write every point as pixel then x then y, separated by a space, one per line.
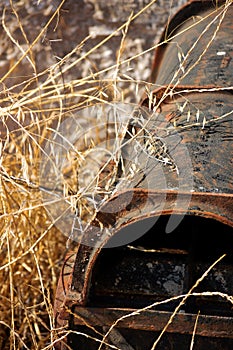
pixel 191 8
pixel 61 306
pixel 152 320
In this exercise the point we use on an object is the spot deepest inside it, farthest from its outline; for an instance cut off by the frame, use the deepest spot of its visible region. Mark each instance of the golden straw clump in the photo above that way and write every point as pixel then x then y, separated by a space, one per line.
pixel 52 62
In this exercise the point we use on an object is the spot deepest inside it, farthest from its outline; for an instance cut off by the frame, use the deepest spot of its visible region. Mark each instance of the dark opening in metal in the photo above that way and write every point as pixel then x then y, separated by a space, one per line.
pixel 159 266
pixel 155 268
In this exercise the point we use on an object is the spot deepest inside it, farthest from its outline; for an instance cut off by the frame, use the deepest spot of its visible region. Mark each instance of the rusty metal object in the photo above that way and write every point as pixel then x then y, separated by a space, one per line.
pixel 61 312
pixel 123 281
pixel 196 48
pixel 108 284
pixel 197 44
pixel 192 74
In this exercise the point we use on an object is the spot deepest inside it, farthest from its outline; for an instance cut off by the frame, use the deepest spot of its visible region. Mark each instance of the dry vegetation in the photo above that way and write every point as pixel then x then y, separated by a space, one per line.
pixel 46 70
pixel 47 75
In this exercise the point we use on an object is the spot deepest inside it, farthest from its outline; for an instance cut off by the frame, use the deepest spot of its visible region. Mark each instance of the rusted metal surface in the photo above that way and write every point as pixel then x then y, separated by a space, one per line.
pixel 155 321
pixel 119 278
pixel 86 256
pixel 150 323
pixel 168 342
pixel 106 284
pixel 202 55
pixel 207 144
pixel 61 310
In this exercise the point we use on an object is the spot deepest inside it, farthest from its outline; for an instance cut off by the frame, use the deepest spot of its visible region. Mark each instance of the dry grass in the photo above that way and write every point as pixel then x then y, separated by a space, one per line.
pixel 38 91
